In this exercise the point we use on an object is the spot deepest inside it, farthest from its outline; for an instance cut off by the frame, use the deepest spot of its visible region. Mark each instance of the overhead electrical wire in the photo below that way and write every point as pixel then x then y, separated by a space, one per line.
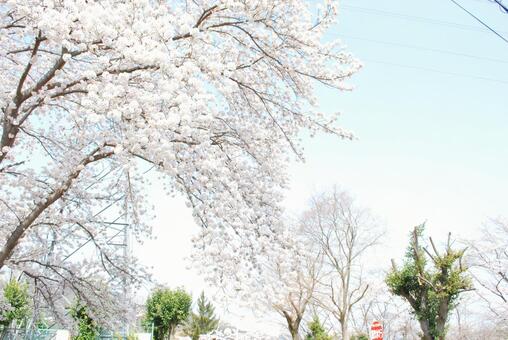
pixel 414 18
pixel 438 71
pixel 484 29
pixel 501 6
pixel 480 21
pixel 423 48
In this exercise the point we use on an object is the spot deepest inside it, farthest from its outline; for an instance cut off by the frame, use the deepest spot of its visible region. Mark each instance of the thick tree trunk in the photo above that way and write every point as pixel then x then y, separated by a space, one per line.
pixel 424 324
pixel 442 318
pixel 344 330
pixel 293 330
pixel 293 325
pixel 295 335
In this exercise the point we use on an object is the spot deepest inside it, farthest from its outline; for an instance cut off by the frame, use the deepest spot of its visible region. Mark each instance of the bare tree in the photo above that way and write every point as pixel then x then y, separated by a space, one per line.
pixel 344 232
pixel 470 322
pixel 488 260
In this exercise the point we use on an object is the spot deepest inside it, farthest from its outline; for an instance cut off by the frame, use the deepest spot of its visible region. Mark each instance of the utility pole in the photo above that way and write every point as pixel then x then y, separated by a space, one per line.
pixel 126 258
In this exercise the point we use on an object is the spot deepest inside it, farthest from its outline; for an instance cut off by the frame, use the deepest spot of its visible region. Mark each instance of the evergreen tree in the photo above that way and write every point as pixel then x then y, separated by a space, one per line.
pixel 14 307
pixel 17 306
pixel 317 330
pixel 430 282
pixel 204 321
pixel 86 327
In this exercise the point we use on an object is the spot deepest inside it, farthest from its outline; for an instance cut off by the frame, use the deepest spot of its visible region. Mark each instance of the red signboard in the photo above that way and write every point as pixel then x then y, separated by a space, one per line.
pixel 376 331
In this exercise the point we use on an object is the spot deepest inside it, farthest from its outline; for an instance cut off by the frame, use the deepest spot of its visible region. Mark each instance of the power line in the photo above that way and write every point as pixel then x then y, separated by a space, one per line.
pixel 501 5
pixel 437 71
pixel 423 48
pixel 480 21
pixel 416 18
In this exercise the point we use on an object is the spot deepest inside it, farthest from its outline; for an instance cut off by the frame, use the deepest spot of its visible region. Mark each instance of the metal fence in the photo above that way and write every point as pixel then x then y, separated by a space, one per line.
pixel 51 334
pixel 27 334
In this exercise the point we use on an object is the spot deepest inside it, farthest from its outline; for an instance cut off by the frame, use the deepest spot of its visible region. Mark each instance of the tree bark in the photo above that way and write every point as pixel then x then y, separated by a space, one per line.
pixel 344 329
pixel 442 317
pixel 294 334
pixel 424 324
pixel 25 223
pixel 293 326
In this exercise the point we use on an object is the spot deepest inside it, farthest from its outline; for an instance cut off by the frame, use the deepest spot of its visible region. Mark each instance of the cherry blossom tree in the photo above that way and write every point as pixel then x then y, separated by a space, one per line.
pixel 212 94
pixel 294 282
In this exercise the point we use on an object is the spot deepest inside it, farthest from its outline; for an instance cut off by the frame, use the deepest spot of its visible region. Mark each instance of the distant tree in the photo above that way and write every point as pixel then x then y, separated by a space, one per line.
pixel 293 278
pixel 87 328
pixel 344 232
pixel 16 306
pixel 488 259
pixel 166 309
pixel 317 330
pixel 432 292
pixel 202 322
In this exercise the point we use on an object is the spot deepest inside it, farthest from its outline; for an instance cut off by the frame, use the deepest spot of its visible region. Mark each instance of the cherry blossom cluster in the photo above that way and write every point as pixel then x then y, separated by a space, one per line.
pixel 210 94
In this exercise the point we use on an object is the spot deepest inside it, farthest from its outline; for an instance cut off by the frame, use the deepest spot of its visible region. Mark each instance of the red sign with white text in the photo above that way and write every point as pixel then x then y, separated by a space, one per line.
pixel 376 331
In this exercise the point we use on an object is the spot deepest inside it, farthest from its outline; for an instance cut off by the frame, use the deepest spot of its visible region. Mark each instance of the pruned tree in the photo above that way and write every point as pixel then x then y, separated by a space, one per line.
pixel 344 233
pixel 431 282
pixel 212 94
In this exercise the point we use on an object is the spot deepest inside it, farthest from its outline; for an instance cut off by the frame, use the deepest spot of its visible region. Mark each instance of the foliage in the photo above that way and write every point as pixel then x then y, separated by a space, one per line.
pixel 17 304
pixel 317 330
pixel 42 323
pixel 212 94
pixel 202 322
pixel 431 283
pixel 360 336
pixel 87 328
pixel 132 336
pixel 166 309
pixel 129 336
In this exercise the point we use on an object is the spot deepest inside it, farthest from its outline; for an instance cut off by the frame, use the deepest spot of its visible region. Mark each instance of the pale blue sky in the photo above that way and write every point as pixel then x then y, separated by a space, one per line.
pixel 431 145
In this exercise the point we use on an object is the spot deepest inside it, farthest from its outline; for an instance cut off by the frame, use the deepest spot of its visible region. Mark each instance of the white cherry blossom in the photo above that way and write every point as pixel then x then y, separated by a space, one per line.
pixel 212 93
